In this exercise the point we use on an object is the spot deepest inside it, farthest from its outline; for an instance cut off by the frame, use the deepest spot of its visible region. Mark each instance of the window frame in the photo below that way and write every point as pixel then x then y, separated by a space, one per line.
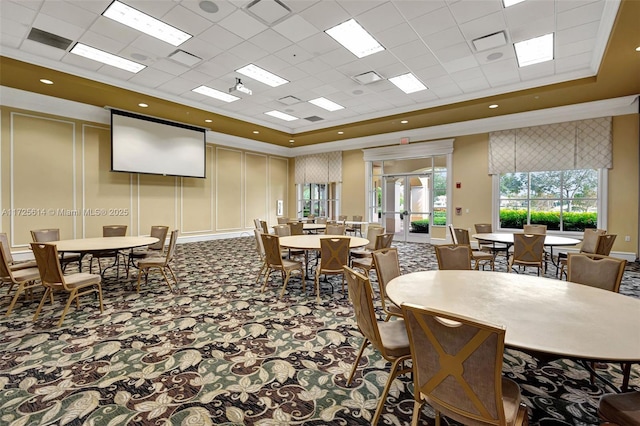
pixel 602 203
pixel 325 203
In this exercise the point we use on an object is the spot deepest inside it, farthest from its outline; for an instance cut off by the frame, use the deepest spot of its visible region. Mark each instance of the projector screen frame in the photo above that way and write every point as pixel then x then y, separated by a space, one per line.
pixel 160 121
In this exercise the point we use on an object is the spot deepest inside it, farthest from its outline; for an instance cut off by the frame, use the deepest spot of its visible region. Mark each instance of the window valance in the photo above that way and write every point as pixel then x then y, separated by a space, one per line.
pixel 319 168
pixel 585 144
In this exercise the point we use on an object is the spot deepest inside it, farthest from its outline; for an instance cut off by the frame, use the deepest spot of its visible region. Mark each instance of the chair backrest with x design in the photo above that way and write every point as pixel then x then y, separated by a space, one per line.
pixel 457 363
pixel 383 241
pixel 528 248
pixel 334 254
pixel 271 244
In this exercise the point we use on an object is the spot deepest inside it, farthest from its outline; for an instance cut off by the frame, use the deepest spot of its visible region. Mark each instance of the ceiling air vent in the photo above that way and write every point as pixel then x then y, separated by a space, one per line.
pixel 49 39
pixel 268 11
pixel 314 118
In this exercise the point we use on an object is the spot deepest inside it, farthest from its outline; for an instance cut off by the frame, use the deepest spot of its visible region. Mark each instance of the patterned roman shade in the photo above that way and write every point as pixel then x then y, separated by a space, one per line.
pixel 584 144
pixel 319 168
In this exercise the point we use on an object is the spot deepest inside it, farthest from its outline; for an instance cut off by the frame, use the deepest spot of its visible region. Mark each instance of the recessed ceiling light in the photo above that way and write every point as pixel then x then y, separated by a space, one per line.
pixel 638 49
pixel 261 75
pixel 255 132
pixel 143 105
pixel 354 38
pixel 142 22
pixel 292 140
pixel 208 120
pixel 326 104
pixel 534 50
pixel 493 106
pixel 404 121
pixel 281 115
pixel 508 3
pixel 408 83
pixel 341 133
pixel 45 81
pixel 216 94
pixel 106 58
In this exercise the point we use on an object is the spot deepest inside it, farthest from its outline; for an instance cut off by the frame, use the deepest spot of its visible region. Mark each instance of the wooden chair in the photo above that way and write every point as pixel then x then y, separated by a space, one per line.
pixel 372 234
pixel 334 255
pixel 110 231
pixel 321 220
pixel 597 271
pixel 356 227
pixel 453 257
pixel 535 229
pixel 461 237
pixel 53 280
pixel 493 248
pixel 366 263
pixel 605 244
pixel 621 409
pixel 589 245
pixel 283 220
pixel 161 263
pixel 387 337
pixel 152 250
pixel 50 235
pixel 275 262
pixel 256 224
pixel 387 266
pixel 335 229
pixel 13 265
pixel 296 228
pixel 261 254
pixel 527 251
pixel 457 369
pixel 264 226
pixel 24 278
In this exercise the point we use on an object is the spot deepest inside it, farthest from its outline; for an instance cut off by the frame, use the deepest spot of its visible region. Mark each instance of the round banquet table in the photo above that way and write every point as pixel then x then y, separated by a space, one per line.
pixel 312 242
pixel 86 246
pixel 313 227
pixel 540 314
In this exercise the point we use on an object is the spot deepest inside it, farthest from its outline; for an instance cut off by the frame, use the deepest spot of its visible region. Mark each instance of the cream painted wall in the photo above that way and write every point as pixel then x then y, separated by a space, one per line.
pixel 353 182
pixel 55 173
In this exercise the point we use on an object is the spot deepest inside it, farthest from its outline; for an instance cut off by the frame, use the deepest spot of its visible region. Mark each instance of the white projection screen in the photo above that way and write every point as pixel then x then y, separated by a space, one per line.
pixel 142 144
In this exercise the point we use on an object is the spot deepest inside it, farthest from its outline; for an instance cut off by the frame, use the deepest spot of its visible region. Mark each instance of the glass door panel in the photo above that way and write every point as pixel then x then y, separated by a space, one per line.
pixel 407 207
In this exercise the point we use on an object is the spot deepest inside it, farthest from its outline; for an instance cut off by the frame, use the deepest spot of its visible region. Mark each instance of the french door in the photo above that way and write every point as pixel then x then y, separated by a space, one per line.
pixel 407 206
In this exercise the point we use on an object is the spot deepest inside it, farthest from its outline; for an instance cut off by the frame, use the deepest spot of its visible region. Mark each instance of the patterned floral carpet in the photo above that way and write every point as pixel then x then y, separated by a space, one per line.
pixel 216 351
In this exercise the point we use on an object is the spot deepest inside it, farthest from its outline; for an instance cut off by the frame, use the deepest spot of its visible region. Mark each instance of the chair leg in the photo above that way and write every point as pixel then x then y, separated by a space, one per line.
pixel 100 297
pixel 364 344
pixel 266 278
pixel 317 284
pixel 72 295
pixel 417 407
pixel 19 290
pixel 140 272
pixel 47 292
pixel 175 280
pixel 392 375
pixel 284 285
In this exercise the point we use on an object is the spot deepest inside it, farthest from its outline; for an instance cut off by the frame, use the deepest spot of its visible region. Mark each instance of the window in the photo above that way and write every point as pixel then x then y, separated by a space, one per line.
pixel 318 199
pixel 565 201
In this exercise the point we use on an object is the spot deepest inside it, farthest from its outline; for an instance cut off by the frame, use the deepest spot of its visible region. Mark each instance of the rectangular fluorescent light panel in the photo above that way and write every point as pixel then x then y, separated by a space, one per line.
pixel 216 94
pixel 281 115
pixel 137 20
pixel 534 50
pixel 106 58
pixel 408 83
pixel 263 76
pixel 326 104
pixel 508 3
pixel 354 38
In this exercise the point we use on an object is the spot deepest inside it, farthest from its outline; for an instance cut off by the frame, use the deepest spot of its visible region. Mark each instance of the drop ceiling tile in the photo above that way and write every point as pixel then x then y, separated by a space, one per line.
pixel 242 24
pixel 200 48
pixel 460 64
pixel 564 5
pixel 314 65
pixel 227 60
pixel 570 49
pixel 536 28
pixel 57 27
pixel 468 10
pixel 580 61
pixel 274 64
pixel 96 6
pixel 590 12
pixel 397 35
pixel 420 62
pixel 449 37
pixel 358 7
pixel 43 50
pixel 528 12
pixel 101 42
pixel 428 74
pixel 325 14
pixel 249 52
pixel 433 22
pixel 68 12
pixel 270 41
pixel 531 72
pixel 414 9
pixel 220 38
pixel 376 60
pixel 497 54
pixel 81 62
pixel 474 85
pixel 169 66
pixel 484 26
pixel 10 41
pixel 198 77
pixel 501 73
pixel 186 20
pixel 225 8
pixel 380 18
pixel 447 91
pixel 451 53
pixel 319 44
pixel 408 50
pixel 338 57
pixel 575 34
pixel 115 30
pixel 16 12
pixel 151 44
pixel 294 54
pixel 117 73
pixel 151 77
pixel 468 74
pixel 178 86
pixel 296 28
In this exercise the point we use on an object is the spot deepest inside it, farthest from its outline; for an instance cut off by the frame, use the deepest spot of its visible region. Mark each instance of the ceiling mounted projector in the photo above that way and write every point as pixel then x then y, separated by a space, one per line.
pixel 240 88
